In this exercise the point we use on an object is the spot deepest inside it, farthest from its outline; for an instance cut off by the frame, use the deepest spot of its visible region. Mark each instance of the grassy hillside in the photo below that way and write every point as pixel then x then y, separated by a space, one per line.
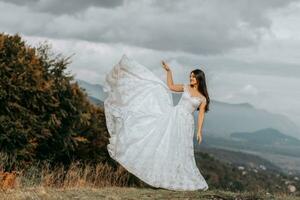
pixel 229 177
pixel 220 176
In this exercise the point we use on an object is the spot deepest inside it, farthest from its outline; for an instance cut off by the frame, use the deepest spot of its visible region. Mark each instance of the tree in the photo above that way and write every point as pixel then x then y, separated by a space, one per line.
pixel 43 115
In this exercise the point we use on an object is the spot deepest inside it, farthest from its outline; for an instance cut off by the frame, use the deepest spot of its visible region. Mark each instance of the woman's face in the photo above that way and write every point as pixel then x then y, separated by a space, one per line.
pixel 193 79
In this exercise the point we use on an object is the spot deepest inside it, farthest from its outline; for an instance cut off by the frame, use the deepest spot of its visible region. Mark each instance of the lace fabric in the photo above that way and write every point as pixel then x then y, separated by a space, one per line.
pixel 149 136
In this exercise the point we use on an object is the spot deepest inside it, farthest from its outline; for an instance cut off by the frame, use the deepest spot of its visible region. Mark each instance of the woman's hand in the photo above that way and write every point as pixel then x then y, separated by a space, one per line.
pixel 199 136
pixel 165 66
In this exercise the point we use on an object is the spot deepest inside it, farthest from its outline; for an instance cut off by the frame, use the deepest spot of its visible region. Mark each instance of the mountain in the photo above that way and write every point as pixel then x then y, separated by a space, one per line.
pixel 224 119
pixel 250 146
pixel 238 158
pixel 270 144
pixel 267 136
pixel 96 101
pixel 93 90
pixel 285 156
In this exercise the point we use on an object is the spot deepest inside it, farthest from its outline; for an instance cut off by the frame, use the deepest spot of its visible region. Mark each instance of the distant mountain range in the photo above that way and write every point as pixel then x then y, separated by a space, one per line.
pixel 267 136
pixel 223 118
pixel 269 141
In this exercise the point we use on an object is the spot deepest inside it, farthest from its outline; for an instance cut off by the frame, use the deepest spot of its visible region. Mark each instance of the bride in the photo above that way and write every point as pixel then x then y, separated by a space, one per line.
pixel 149 136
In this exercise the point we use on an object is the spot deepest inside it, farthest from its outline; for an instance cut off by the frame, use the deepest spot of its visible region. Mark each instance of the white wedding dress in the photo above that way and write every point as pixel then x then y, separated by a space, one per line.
pixel 149 136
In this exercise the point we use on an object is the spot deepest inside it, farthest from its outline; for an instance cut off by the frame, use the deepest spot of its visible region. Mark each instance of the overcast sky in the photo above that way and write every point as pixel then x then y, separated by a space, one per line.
pixel 249 49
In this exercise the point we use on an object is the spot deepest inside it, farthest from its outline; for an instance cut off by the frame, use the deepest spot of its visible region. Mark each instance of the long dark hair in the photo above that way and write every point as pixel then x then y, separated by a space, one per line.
pixel 202 88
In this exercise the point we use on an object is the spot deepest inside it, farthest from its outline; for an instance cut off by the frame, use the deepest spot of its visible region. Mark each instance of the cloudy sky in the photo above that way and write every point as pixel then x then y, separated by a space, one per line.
pixel 249 49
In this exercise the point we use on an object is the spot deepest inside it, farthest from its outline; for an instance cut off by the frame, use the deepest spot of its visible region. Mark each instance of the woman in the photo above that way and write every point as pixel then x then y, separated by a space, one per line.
pixel 199 89
pixel 149 136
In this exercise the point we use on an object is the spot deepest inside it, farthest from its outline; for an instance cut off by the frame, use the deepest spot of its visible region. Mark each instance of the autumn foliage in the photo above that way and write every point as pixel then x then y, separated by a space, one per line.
pixel 44 115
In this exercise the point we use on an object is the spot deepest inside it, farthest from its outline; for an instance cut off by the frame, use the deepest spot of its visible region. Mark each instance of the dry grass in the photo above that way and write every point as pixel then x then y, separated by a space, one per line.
pixel 130 193
pixel 84 181
pixel 77 175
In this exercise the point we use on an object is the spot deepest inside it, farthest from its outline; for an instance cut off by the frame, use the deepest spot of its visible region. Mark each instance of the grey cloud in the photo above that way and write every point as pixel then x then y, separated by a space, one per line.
pixel 250 11
pixel 193 26
pixel 199 27
pixel 20 2
pixel 65 6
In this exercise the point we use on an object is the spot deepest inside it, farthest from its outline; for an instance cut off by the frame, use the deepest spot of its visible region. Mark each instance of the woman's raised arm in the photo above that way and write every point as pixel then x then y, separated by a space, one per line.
pixel 170 83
